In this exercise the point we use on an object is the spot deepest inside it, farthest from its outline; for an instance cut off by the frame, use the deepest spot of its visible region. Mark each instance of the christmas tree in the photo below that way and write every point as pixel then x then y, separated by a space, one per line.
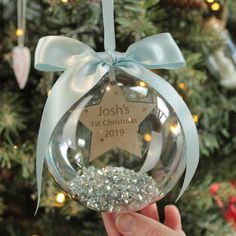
pixel 204 30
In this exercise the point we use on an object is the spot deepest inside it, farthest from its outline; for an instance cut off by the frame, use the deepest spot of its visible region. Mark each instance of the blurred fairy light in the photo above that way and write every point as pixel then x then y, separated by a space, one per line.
pixel 15 147
pixel 108 88
pixel 49 92
pixel 64 1
pixel 142 84
pixel 19 32
pixel 210 1
pixel 175 129
pixel 195 118
pixel 215 6
pixel 182 85
pixel 147 137
pixel 60 198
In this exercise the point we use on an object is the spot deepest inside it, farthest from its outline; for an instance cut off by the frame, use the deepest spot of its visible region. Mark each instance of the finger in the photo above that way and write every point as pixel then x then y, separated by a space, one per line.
pixel 151 212
pixel 173 218
pixel 135 224
pixel 109 223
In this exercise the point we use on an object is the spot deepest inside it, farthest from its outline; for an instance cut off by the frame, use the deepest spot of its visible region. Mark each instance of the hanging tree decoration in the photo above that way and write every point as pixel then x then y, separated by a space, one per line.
pixel 115 135
pixel 21 54
pixel 222 62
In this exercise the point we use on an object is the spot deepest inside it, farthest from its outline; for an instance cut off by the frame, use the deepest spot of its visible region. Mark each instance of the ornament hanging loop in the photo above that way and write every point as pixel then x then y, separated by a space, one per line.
pixel 109 27
pixel 112 76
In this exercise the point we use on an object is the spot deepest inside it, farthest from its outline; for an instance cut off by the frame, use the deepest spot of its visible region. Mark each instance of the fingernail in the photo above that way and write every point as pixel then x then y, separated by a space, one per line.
pixel 126 222
pixel 172 206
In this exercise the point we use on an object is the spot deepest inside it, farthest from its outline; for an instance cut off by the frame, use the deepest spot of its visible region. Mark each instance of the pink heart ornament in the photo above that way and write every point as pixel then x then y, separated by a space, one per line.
pixel 21 64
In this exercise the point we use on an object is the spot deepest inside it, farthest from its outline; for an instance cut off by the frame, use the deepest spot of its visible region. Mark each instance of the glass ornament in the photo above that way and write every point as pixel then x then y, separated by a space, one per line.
pixel 103 169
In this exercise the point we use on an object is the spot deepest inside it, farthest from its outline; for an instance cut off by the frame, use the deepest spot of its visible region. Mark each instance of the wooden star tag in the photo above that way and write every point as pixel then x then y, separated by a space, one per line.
pixel 114 122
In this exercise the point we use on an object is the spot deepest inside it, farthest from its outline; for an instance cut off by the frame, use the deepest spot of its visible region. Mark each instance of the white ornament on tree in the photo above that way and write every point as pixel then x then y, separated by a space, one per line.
pixel 227 70
pixel 21 58
pixel 222 63
pixel 21 64
pixel 223 67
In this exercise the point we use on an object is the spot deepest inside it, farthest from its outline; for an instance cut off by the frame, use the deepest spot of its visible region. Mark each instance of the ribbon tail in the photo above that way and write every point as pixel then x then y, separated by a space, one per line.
pixel 182 112
pixel 39 174
pixel 69 88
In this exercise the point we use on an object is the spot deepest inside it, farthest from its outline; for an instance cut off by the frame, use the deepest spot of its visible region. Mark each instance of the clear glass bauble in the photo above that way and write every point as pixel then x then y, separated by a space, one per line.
pixel 110 173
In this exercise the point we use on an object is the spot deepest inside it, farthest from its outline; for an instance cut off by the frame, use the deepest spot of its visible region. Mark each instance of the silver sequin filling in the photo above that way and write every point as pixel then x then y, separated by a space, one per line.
pixel 113 189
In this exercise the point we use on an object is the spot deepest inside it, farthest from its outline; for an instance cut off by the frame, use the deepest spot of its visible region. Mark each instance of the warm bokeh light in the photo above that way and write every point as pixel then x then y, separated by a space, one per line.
pixel 182 85
pixel 60 198
pixel 49 92
pixel 195 118
pixel 15 147
pixel 174 128
pixel 210 1
pixel 19 32
pixel 64 1
pixel 215 6
pixel 147 137
pixel 142 84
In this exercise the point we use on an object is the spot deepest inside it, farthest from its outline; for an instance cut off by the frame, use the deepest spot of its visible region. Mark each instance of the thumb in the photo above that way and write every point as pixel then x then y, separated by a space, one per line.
pixel 134 224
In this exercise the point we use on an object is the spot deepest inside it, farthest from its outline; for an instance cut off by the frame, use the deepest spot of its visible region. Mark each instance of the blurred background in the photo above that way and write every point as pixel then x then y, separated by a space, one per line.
pixel 205 30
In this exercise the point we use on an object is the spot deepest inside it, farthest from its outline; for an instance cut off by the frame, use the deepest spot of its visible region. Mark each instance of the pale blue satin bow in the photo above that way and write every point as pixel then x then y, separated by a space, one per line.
pixel 84 68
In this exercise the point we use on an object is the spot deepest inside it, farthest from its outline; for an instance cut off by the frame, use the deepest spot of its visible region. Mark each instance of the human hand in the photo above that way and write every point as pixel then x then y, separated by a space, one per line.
pixel 145 223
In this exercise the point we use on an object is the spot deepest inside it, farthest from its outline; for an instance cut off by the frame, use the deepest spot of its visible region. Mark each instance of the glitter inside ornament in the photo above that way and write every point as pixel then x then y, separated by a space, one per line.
pixel 119 148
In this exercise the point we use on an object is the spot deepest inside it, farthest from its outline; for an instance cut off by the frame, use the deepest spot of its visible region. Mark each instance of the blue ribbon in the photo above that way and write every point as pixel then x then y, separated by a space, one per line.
pixel 84 68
